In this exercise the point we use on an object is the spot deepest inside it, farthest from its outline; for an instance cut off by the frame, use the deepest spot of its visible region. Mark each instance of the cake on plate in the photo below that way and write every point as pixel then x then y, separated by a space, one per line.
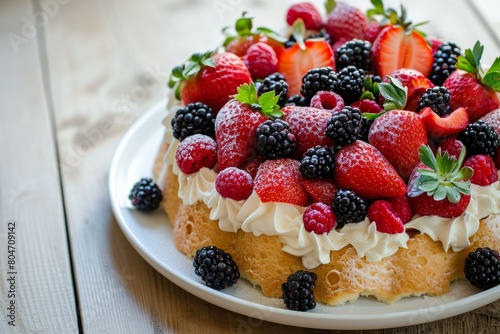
pixel 353 150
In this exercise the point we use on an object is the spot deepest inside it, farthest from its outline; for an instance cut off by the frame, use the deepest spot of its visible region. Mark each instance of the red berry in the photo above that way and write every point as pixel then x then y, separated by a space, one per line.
pixel 346 22
pixel 234 183
pixel 367 106
pixel 261 60
pixel 452 146
pixel 485 172
pixel 401 208
pixel 195 152
pixel 320 190
pixel 442 127
pixel 308 13
pixel 327 101
pixel 318 218
pixel 252 166
pixel 382 213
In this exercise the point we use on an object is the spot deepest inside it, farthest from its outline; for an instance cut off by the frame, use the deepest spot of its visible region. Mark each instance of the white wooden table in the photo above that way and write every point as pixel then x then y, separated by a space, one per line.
pixel 74 76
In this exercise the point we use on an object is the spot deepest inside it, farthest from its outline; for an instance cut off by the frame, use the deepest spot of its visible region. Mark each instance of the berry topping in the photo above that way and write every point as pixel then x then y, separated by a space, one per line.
pixel 345 21
pixel 195 152
pixel 320 190
pixel 348 207
pixel 215 267
pixel 401 208
pixel 327 101
pixel 308 13
pixel 443 127
pixel 234 183
pixel 260 60
pixel 479 138
pixel 280 181
pixel 436 98
pixel 274 139
pixel 297 100
pixel 318 79
pixel 145 195
pixel 351 83
pixel 444 60
pixel 298 292
pixel 440 186
pixel 344 127
pixel 275 82
pixel 192 119
pixel 485 172
pixel 414 82
pixel 318 218
pixel 453 146
pixel 317 163
pixel 382 214
pixel 355 53
pixel 482 268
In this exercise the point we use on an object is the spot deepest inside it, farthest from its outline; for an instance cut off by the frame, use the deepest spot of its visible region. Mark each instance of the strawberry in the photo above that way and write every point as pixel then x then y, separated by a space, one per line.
pixel 439 186
pixel 279 180
pixel 320 190
pixel 471 88
pixel 402 208
pixel 442 127
pixel 396 48
pixel 398 135
pixel 493 119
pixel 308 13
pixel 244 36
pixel 295 61
pixel 308 126
pixel 362 168
pixel 210 79
pixel 372 30
pixel 435 42
pixel 346 22
pixel 416 84
pixel 260 60
pixel 237 122
pixel 382 213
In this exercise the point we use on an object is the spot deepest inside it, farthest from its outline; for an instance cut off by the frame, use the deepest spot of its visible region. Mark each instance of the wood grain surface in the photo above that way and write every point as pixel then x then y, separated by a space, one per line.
pixel 90 70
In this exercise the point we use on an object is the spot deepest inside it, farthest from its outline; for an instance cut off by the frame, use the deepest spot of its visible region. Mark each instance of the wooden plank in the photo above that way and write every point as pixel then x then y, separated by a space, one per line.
pixel 115 65
pixel 39 283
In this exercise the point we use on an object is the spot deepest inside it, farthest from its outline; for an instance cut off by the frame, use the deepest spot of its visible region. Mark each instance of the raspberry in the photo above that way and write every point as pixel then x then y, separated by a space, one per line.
pixel 452 146
pixel 308 13
pixel 401 208
pixel 320 190
pixel 195 152
pixel 234 183
pixel 318 218
pixel 253 166
pixel 485 172
pixel 145 195
pixel 327 101
pixel 215 267
pixel 382 213
pixel 298 291
pixel 482 268
pixel 260 60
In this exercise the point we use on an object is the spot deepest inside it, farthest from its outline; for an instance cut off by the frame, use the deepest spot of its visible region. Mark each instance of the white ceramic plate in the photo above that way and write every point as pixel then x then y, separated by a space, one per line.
pixel 151 235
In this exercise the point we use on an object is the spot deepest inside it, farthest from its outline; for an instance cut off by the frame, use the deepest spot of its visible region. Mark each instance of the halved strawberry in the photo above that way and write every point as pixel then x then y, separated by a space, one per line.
pixel 295 61
pixel 279 180
pixel 442 127
pixel 396 48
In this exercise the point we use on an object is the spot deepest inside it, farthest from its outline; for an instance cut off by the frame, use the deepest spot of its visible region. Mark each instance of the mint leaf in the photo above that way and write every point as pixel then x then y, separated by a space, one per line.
pixel 492 77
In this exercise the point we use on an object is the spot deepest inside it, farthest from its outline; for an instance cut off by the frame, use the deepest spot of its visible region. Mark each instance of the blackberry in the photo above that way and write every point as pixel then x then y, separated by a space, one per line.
pixel 355 53
pixel 297 100
pixel 275 82
pixel 351 84
pixel 322 34
pixel 437 98
pixel 274 139
pixel 344 127
pixel 479 138
pixel 317 162
pixel 365 129
pixel 298 293
pixel 482 268
pixel 215 267
pixel 145 195
pixel 193 119
pixel 348 207
pixel 318 79
pixel 444 62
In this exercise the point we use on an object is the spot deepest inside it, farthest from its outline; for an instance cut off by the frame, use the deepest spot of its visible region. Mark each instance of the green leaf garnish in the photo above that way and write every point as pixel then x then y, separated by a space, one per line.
pixel 266 103
pixel 492 77
pixel 394 92
pixel 243 27
pixel 330 6
pixel 446 177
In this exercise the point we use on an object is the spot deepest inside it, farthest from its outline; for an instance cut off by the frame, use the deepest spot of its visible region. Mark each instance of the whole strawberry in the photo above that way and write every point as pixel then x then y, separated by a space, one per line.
pixel 306 11
pixel 345 21
pixel 439 186
pixel 210 79
pixel 471 88
pixel 237 122
pixel 362 168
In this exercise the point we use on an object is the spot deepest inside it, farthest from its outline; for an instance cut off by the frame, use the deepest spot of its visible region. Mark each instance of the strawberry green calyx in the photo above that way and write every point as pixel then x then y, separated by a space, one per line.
pixel 330 6
pixel 190 68
pixel 446 177
pixel 471 62
pixel 266 103
pixel 391 16
pixel 395 95
pixel 244 27
pixel 299 33
pixel 370 89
